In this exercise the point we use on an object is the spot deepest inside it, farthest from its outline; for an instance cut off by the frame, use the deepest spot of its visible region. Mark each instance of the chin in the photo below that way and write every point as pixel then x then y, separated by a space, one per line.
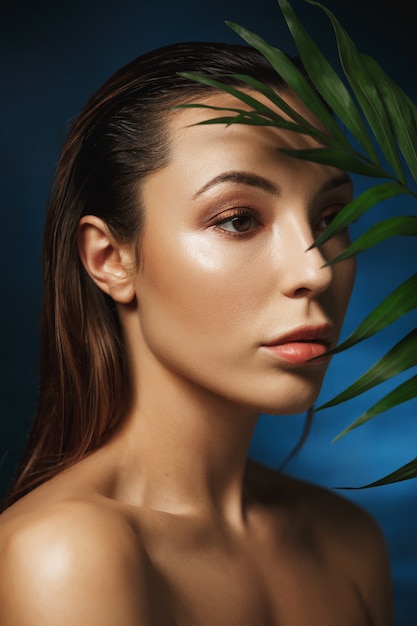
pixel 285 404
pixel 287 409
pixel 296 394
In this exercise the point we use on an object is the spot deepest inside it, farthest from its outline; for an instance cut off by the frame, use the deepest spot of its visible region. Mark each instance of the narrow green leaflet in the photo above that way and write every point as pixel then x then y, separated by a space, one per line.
pixel 402 112
pixel 359 206
pixel 212 108
pixel 301 125
pixel 242 117
pixel 400 302
pixel 293 77
pixel 275 99
pixel 260 108
pixel 400 358
pixel 392 227
pixel 338 158
pixel 247 117
pixel 304 126
pixel 327 82
pixel 366 91
pixel 407 471
pixel 404 392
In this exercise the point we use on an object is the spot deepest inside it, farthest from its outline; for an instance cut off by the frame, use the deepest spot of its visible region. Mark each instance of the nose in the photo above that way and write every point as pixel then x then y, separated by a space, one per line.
pixel 303 271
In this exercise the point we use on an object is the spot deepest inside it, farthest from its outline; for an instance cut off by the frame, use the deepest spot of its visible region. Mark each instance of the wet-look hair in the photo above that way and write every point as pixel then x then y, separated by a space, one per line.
pixel 117 140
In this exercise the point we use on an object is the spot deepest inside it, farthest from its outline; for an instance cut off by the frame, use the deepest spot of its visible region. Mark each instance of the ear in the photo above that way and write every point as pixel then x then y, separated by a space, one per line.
pixel 109 263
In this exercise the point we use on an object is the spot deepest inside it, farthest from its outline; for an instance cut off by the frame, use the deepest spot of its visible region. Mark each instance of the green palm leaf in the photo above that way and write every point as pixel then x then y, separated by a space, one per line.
pixel 327 82
pixel 400 358
pixel 240 95
pixel 338 158
pixel 407 471
pixel 392 227
pixel 298 83
pixel 359 206
pixel 404 392
pixel 242 117
pixel 254 117
pixel 275 99
pixel 400 302
pixel 270 116
pixel 366 90
pixel 402 113
pixel 303 125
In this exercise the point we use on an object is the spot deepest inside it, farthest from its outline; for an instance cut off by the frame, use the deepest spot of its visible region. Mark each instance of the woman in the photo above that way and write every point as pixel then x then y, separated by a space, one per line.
pixel 181 301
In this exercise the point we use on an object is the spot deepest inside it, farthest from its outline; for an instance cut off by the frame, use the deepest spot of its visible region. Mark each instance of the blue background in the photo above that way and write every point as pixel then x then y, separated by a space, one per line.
pixel 53 55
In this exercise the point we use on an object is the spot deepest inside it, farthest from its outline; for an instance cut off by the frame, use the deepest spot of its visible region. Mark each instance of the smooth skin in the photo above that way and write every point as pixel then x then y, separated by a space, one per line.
pixel 168 524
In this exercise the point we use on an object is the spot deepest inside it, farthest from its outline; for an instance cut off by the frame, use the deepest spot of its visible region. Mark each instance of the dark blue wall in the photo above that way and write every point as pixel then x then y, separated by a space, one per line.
pixel 53 55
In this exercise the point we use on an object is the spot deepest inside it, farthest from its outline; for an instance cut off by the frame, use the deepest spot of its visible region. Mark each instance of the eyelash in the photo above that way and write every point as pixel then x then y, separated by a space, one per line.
pixel 333 211
pixel 330 215
pixel 234 215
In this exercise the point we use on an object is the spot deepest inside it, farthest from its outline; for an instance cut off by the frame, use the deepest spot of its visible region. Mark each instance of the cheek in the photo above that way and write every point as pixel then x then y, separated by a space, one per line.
pixel 194 289
pixel 343 281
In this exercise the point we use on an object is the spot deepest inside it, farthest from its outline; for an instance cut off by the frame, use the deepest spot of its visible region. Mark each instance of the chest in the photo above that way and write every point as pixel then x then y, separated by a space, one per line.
pixel 226 585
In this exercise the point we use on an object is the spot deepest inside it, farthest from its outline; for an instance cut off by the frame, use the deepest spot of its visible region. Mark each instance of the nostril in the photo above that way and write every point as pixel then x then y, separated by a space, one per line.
pixel 301 292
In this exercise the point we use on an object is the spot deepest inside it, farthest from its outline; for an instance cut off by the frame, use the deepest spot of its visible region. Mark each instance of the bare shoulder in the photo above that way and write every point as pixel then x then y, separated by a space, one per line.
pixel 73 562
pixel 338 516
pixel 348 537
pixel 355 541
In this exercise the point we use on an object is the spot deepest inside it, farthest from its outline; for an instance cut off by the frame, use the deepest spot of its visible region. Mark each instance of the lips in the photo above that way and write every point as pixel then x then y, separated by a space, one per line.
pixel 302 344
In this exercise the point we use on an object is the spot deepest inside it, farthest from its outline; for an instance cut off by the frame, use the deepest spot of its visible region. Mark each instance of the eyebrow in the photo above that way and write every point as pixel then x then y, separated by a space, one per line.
pixel 244 178
pixel 254 180
pixel 336 181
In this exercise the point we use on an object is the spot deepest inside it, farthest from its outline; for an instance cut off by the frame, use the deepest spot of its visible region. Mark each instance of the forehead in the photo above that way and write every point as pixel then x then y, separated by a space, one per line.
pixel 221 102
pixel 197 150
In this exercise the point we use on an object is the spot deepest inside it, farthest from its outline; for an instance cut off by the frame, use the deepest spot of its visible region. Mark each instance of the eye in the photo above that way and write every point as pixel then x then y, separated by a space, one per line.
pixel 328 217
pixel 239 222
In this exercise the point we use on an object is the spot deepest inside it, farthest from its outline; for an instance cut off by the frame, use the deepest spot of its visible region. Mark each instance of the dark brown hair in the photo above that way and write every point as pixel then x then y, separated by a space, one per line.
pixel 117 140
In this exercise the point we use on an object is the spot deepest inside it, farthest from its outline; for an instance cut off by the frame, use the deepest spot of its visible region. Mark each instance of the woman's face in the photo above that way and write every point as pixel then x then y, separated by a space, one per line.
pixel 230 299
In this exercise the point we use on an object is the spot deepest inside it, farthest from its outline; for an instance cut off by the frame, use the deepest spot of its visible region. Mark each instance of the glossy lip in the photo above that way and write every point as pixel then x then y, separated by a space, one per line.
pixel 302 344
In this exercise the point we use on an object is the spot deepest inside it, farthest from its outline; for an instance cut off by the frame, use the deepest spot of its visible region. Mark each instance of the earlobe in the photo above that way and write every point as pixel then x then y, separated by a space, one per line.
pixel 109 263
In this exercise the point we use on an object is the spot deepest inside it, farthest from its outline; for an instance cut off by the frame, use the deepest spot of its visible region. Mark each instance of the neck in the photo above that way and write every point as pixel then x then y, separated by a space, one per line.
pixel 183 449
